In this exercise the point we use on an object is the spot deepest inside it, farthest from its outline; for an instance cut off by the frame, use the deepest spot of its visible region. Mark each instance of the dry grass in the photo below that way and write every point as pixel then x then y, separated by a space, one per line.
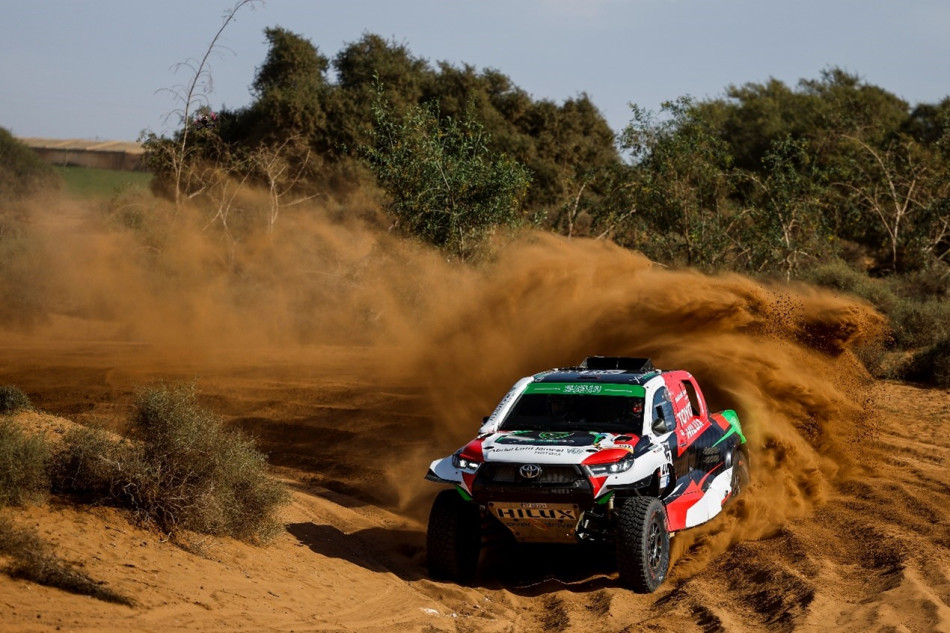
pixel 24 461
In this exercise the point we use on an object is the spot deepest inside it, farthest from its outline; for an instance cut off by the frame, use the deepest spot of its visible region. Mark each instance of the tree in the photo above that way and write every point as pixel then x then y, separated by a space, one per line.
pixel 281 176
pixel 444 184
pixel 786 219
pixel 173 160
pixel 893 186
pixel 361 68
pixel 682 179
pixel 290 89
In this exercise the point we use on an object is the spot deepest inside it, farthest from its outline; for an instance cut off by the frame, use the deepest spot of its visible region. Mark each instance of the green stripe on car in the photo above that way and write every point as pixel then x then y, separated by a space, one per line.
pixel 586 389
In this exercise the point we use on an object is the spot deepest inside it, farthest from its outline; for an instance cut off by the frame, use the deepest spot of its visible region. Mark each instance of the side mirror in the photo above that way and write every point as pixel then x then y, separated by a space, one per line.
pixel 659 422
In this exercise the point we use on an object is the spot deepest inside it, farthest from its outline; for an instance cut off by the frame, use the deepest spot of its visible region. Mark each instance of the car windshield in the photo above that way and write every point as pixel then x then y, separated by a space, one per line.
pixel 575 412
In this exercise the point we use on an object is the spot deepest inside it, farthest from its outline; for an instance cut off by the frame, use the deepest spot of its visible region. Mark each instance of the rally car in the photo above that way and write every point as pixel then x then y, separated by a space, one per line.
pixel 612 451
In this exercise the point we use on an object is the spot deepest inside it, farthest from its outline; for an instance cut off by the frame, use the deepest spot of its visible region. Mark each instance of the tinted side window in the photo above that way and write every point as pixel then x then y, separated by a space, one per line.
pixel 691 394
pixel 663 418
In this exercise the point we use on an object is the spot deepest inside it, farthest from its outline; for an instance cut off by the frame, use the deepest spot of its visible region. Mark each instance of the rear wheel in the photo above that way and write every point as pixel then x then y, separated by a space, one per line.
pixel 643 544
pixel 740 471
pixel 453 538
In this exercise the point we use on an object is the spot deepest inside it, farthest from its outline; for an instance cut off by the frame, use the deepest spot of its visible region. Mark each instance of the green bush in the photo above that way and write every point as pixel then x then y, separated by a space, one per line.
pixel 31 559
pixel 185 472
pixel 931 366
pixel 920 323
pixel 13 400
pixel 915 303
pixel 24 460
pixel 22 172
pixel 838 275
pixel 446 186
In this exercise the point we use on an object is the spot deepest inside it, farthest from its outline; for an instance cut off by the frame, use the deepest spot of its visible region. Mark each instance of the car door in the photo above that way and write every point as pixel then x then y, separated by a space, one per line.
pixel 690 412
pixel 663 425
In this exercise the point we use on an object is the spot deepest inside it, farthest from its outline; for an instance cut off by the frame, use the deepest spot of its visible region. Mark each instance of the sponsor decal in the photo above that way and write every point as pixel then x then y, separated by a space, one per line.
pixel 687 434
pixel 558 438
pixel 535 511
pixel 586 389
pixel 589 389
pixel 691 430
pixel 529 448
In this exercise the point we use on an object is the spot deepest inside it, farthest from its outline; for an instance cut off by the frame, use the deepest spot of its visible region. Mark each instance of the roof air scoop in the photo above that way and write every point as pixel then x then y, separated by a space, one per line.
pixel 626 363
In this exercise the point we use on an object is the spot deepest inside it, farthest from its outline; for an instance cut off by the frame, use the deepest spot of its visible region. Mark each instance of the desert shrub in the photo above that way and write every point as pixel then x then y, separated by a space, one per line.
pixel 184 471
pixel 31 559
pixel 931 366
pixel 194 473
pixel 13 400
pixel 92 464
pixel 24 460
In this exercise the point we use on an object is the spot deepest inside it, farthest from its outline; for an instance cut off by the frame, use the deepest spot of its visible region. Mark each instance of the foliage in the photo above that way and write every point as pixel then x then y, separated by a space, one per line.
pixel 916 304
pixel 682 178
pixel 768 179
pixel 23 465
pixel 289 87
pixel 444 183
pixel 185 471
pixel 867 170
pixel 931 366
pixel 22 172
pixel 300 108
pixel 31 559
pixel 12 399
pixel 786 225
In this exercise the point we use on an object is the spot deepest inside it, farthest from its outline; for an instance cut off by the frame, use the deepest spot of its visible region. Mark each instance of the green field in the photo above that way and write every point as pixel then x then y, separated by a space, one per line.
pixel 88 182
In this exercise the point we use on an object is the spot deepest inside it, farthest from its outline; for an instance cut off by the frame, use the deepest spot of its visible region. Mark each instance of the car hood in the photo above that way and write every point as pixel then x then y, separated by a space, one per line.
pixel 547 447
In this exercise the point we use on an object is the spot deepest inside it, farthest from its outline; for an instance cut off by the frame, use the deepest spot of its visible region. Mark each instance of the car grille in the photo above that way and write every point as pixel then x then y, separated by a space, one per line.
pixel 509 474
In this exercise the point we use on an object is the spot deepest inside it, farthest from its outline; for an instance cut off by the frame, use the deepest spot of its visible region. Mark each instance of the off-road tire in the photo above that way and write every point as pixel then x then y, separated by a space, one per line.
pixel 643 544
pixel 453 538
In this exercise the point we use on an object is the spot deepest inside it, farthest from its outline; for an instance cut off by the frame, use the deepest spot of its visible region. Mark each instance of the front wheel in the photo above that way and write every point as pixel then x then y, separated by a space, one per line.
pixel 453 538
pixel 643 544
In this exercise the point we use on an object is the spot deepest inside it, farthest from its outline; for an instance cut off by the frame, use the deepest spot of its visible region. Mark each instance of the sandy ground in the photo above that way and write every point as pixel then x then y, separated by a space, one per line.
pixel 355 358
pixel 873 555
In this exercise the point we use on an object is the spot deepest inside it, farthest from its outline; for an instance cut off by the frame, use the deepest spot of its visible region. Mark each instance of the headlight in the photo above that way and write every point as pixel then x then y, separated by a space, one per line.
pixel 464 463
pixel 621 466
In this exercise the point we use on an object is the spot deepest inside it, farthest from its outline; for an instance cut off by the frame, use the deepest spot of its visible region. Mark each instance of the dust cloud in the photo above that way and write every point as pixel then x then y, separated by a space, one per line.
pixel 781 356
pixel 180 287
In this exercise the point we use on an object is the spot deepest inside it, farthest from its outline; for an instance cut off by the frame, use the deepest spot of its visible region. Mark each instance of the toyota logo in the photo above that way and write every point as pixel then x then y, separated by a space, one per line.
pixel 530 471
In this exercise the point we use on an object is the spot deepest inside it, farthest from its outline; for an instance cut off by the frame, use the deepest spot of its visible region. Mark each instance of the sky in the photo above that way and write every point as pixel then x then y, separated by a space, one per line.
pixel 105 69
